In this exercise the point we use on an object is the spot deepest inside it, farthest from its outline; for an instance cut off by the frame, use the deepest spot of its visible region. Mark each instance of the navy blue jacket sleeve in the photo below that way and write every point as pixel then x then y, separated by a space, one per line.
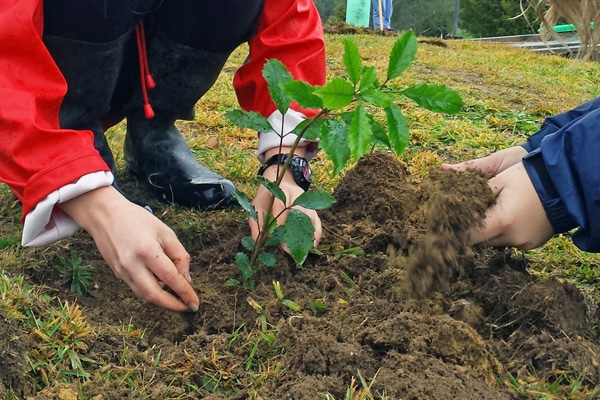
pixel 564 168
pixel 556 122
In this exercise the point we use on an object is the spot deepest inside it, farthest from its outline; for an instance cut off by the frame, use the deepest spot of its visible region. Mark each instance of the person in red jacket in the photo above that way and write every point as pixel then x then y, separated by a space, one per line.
pixel 71 69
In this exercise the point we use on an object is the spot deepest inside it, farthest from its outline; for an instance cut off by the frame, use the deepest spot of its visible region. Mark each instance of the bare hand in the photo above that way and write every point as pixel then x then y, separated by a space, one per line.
pixel 139 248
pixel 492 164
pixel 292 191
pixel 518 218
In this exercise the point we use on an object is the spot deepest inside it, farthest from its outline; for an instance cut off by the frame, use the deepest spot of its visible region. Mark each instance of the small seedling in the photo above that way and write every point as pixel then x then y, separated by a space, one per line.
pixel 355 392
pixel 346 130
pixel 74 274
pixel 292 305
pixel 317 307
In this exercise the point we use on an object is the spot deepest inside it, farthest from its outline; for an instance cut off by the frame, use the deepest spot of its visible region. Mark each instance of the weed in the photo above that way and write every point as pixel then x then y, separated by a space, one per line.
pixel 317 307
pixel 354 392
pixel 17 297
pixel 58 343
pixel 74 274
pixel 292 305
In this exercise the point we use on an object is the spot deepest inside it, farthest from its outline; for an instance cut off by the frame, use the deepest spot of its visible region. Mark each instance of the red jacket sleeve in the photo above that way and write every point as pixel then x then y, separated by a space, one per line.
pixel 291 32
pixel 36 156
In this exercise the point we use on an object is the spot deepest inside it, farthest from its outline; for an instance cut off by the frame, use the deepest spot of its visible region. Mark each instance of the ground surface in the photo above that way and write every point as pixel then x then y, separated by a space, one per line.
pixel 419 315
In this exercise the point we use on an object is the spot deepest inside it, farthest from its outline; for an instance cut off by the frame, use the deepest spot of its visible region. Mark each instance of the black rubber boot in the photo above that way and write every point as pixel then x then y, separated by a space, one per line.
pixel 91 71
pixel 154 148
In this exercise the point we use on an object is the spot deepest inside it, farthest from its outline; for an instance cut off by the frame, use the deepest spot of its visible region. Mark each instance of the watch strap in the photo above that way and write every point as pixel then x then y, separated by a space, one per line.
pixel 298 166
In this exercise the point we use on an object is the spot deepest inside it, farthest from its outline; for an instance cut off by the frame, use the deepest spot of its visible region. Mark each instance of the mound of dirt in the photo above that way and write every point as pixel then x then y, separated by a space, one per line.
pixel 418 314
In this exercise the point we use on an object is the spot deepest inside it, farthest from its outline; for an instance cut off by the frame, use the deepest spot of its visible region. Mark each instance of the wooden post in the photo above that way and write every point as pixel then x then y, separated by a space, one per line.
pixel 380 16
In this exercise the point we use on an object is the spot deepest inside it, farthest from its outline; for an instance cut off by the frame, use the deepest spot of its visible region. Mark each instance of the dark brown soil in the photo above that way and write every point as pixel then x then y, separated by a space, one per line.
pixel 419 314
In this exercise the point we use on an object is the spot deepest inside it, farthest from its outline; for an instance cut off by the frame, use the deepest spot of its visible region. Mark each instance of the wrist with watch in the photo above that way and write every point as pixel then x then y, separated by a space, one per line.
pixel 298 166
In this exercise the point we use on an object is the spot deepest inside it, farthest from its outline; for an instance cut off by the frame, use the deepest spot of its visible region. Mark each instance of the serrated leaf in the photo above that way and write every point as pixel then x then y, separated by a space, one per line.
pixel 402 55
pixel 379 134
pixel 398 128
pixel 351 60
pixel 314 200
pixel 368 79
pixel 249 120
pixel 275 238
pixel 248 243
pixel 303 94
pixel 275 73
pixel 334 141
pixel 298 234
pixel 243 263
pixel 246 204
pixel 376 96
pixel 273 187
pixel 437 98
pixel 267 259
pixel 336 94
pixel 359 134
pixel 309 129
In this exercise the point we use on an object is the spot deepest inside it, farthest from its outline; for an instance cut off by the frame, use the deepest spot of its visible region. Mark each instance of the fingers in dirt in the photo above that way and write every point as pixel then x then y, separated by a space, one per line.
pixel 166 271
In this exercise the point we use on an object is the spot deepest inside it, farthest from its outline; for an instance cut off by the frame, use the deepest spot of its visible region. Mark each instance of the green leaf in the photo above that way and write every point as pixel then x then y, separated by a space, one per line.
pixel 275 74
pixel 398 128
pixel 274 239
pixel 269 225
pixel 437 98
pixel 243 263
pixel 359 134
pixel 379 134
pixel 402 55
pixel 314 200
pixel 273 188
pixel 352 60
pixel 336 94
pixel 267 259
pixel 249 120
pixel 232 282
pixel 292 305
pixel 334 141
pixel 353 251
pixel 248 243
pixel 303 94
pixel 375 96
pixel 278 290
pixel 298 234
pixel 246 204
pixel 369 78
pixel 312 132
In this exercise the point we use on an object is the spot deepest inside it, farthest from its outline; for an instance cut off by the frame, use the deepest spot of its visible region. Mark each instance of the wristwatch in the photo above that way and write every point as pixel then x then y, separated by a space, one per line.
pixel 299 166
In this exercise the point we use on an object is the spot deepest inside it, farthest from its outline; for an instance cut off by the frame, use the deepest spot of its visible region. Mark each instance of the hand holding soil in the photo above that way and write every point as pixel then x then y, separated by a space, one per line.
pixel 517 218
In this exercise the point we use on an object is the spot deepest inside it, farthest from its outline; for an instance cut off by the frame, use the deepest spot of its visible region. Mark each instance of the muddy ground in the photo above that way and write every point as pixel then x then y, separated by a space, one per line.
pixel 419 314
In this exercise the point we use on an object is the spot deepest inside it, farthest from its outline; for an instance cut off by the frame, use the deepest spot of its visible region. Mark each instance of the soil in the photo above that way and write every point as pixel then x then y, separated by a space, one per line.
pixel 419 315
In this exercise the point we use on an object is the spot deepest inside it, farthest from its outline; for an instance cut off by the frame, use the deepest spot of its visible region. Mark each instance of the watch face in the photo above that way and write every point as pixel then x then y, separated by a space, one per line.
pixel 306 172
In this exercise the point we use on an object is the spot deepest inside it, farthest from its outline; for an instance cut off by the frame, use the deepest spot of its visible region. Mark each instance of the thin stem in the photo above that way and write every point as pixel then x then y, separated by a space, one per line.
pixel 262 231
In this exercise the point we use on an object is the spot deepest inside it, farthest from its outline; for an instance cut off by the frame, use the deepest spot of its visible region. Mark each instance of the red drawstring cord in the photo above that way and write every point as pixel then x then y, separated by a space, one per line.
pixel 146 79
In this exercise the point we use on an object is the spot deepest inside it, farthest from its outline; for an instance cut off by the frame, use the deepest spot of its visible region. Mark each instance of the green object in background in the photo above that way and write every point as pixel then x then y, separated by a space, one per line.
pixel 566 28
pixel 358 12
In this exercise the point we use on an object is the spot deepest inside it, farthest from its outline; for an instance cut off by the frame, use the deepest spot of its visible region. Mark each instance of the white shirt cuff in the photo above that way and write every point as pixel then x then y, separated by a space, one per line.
pixel 281 136
pixel 46 223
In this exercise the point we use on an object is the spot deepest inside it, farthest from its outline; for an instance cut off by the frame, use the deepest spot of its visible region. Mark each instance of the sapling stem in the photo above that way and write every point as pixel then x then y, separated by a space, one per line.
pixel 263 231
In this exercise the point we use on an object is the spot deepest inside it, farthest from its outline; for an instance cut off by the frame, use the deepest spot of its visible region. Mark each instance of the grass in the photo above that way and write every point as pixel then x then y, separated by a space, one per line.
pixel 507 92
